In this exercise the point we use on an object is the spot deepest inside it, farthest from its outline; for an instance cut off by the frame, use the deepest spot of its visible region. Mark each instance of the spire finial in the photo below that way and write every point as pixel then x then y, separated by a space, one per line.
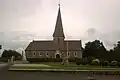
pixel 59 3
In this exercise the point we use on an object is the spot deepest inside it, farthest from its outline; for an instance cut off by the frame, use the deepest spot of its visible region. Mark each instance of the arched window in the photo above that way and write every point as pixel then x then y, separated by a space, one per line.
pixel 40 54
pixel 47 53
pixel 68 53
pixel 75 54
pixel 34 53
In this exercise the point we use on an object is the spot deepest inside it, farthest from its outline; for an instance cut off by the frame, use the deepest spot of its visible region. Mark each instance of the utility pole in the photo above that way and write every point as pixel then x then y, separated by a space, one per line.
pixel 67 53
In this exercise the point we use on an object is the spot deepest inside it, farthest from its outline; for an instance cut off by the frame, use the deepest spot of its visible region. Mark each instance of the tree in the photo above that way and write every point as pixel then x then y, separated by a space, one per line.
pixel 94 49
pixel 115 53
pixel 117 46
pixel 9 53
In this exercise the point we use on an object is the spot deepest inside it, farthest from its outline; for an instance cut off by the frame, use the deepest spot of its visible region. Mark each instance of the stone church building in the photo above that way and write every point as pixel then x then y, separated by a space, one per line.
pixel 58 48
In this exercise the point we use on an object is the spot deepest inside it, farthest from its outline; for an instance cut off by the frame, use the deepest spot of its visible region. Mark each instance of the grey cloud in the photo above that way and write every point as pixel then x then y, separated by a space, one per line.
pixel 91 31
pixel 109 38
pixel 98 18
pixel 112 37
pixel 19 7
pixel 11 11
pixel 20 35
pixel 16 39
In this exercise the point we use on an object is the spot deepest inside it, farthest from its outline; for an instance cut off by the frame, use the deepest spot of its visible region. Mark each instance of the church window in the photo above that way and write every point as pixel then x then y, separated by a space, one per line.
pixel 34 53
pixel 75 54
pixel 47 54
pixel 40 54
pixel 68 53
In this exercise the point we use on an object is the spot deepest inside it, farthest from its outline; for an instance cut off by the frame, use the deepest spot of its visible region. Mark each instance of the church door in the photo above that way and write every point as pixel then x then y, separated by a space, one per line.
pixel 57 56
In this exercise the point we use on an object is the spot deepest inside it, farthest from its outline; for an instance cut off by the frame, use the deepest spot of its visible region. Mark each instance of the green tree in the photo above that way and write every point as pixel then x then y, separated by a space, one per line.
pixel 115 53
pixel 94 49
pixel 9 53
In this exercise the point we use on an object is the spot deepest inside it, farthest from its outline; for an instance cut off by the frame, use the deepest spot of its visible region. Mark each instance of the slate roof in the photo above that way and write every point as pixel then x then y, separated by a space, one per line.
pixel 59 27
pixel 49 45
pixel 73 44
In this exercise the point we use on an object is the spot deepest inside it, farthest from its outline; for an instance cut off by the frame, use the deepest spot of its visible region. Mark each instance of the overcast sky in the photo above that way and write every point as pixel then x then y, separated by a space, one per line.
pixel 21 21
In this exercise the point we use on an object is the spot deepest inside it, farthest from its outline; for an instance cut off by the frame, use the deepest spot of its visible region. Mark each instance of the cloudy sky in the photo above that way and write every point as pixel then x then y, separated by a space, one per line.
pixel 21 21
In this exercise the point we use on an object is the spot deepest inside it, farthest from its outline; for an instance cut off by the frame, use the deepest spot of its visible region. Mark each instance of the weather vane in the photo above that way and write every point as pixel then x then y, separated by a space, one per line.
pixel 59 3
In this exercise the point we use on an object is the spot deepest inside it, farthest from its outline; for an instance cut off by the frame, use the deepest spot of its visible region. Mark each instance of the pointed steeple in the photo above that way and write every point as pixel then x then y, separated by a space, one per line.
pixel 58 32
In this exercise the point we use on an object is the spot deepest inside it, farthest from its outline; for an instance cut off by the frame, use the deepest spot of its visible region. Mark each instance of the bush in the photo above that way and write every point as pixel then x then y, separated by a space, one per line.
pixel 78 62
pixel 118 64
pixel 95 62
pixel 106 63
pixel 57 60
pixel 113 63
pixel 72 60
pixel 84 62
pixel 81 61
pixel 102 62
pixel 89 60
pixel 3 59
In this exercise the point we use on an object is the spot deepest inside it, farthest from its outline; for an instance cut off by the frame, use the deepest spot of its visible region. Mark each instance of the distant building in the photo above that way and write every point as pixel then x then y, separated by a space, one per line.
pixel 56 48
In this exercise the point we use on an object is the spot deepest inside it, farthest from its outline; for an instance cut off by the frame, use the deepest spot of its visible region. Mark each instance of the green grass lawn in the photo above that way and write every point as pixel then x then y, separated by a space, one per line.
pixel 70 66
pixel 66 68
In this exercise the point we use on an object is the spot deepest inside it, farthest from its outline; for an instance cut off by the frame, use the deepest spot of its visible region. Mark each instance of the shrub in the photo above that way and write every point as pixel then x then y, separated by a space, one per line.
pixel 57 60
pixel 72 60
pixel 84 62
pixel 102 62
pixel 95 62
pixel 3 59
pixel 113 63
pixel 106 63
pixel 118 64
pixel 89 60
pixel 78 62
pixel 81 61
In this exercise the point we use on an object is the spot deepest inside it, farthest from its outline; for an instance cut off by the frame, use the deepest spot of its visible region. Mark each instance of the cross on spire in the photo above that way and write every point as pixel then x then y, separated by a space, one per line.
pixel 59 3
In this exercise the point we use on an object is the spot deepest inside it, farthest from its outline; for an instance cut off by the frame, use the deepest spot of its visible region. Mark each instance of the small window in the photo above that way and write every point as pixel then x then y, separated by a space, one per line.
pixel 47 54
pixel 68 53
pixel 75 53
pixel 34 53
pixel 40 54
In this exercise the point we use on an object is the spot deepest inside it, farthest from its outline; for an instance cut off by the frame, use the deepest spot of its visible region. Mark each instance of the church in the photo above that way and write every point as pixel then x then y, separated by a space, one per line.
pixel 58 48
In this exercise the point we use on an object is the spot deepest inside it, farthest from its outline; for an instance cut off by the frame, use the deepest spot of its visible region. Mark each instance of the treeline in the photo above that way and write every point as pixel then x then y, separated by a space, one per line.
pixel 7 54
pixel 96 49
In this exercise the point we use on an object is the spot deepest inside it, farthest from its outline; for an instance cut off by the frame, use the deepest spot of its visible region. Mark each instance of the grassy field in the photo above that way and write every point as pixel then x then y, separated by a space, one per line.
pixel 70 66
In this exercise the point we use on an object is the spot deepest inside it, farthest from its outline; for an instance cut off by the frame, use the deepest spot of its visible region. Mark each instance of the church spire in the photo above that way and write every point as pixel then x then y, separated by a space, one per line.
pixel 58 32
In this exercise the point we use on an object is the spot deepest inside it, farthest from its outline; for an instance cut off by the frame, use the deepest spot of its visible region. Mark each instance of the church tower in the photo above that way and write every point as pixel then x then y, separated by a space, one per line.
pixel 58 35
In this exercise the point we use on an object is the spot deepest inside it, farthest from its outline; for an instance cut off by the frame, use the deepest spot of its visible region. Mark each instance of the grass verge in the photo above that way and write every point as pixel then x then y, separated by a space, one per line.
pixel 81 67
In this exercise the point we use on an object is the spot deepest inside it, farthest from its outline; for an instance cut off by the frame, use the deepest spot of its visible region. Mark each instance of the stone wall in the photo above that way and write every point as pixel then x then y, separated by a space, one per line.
pixel 52 54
